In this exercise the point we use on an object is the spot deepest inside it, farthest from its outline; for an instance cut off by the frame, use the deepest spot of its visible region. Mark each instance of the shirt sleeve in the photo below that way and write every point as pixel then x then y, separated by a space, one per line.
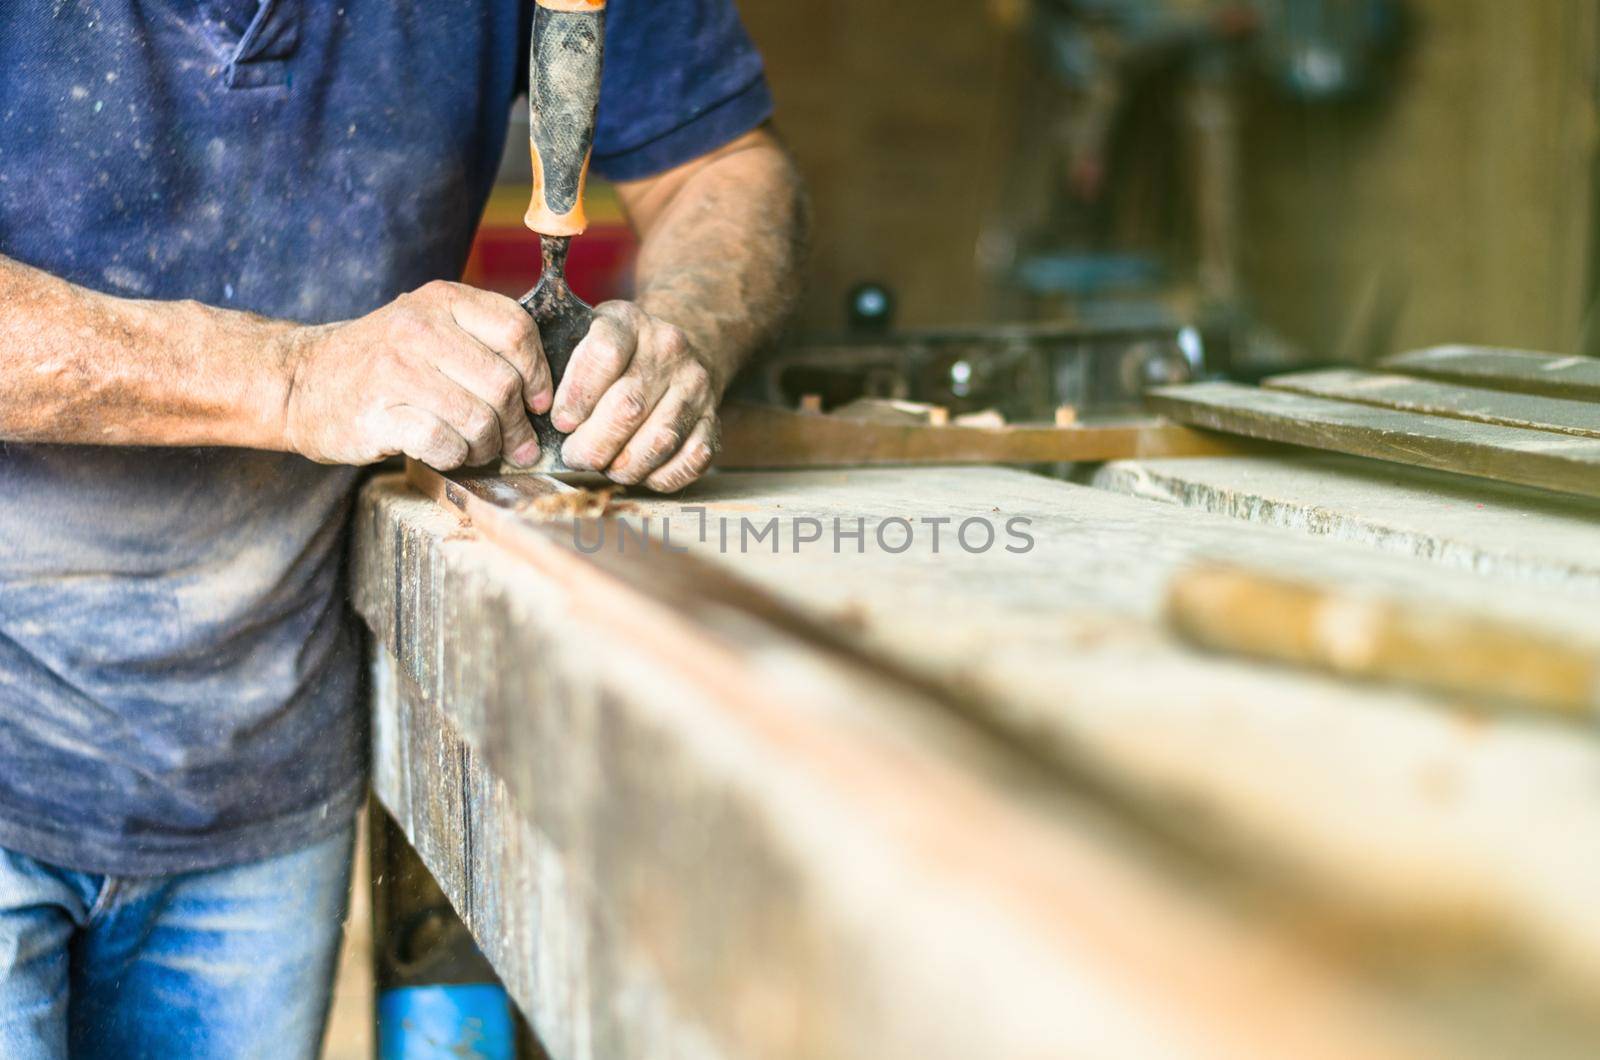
pixel 682 78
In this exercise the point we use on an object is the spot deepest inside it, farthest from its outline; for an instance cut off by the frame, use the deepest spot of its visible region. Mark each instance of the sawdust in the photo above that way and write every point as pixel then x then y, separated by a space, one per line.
pixel 577 504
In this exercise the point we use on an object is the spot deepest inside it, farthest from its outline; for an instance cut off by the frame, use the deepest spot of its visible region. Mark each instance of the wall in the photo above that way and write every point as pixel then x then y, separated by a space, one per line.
pixel 891 107
pixel 1463 200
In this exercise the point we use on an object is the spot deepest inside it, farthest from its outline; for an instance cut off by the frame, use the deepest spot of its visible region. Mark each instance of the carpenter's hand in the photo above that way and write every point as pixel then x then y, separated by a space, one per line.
pixel 446 374
pixel 639 401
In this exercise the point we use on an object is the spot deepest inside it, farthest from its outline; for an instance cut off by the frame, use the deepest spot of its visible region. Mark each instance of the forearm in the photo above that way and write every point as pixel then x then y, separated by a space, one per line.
pixel 722 251
pixel 77 366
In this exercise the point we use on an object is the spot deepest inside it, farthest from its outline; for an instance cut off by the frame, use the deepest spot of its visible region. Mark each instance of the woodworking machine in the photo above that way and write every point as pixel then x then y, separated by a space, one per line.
pixel 1024 372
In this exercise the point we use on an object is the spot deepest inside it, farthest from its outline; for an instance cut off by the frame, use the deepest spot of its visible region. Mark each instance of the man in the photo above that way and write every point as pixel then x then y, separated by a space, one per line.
pixel 225 227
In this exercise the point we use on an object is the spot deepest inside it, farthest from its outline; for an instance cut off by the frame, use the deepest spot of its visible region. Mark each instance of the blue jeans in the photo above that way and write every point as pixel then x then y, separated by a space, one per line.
pixel 232 963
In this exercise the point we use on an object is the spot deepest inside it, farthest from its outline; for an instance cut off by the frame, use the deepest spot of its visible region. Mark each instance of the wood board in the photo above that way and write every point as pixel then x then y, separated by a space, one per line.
pixel 1405 394
pixel 1330 792
pixel 1505 454
pixel 760 436
pixel 1061 648
pixel 719 843
pixel 1523 371
pixel 1530 536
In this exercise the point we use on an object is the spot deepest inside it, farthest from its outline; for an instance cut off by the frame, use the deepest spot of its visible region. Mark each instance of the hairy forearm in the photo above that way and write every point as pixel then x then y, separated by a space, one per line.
pixel 721 254
pixel 77 366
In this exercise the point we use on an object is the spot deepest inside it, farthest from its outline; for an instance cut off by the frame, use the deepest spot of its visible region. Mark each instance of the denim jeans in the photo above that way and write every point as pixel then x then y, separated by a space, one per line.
pixel 231 963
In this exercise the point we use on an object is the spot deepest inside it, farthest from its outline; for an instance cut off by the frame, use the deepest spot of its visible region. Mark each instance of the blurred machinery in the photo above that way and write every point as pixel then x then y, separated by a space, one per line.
pixel 1022 371
pixel 1115 241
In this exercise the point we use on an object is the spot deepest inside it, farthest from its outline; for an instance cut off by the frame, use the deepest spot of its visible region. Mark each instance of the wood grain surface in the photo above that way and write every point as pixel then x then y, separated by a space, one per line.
pixel 758 436
pixel 1531 536
pixel 1523 371
pixel 681 831
pixel 1506 454
pixel 1476 403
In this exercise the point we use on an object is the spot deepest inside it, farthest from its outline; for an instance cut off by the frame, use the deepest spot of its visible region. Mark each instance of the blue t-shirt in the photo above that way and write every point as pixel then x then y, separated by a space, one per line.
pixel 178 670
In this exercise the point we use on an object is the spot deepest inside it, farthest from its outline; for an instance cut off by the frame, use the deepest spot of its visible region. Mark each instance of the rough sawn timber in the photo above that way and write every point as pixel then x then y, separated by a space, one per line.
pixel 1377 804
pixel 1524 371
pixel 1525 535
pixel 679 832
pixel 1509 409
pixel 1060 650
pixel 1505 454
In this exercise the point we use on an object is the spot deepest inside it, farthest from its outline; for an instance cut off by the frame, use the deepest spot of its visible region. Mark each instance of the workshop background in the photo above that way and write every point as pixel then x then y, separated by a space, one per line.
pixel 1248 185
pixel 1342 174
pixel 1291 182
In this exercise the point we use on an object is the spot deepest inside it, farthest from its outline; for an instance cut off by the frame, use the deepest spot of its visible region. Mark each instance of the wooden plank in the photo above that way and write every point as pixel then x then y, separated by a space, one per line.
pixel 1525 535
pixel 758 436
pixel 1505 454
pixel 1060 648
pixel 686 833
pixel 1328 796
pixel 1520 371
pixel 1376 636
pixel 1562 415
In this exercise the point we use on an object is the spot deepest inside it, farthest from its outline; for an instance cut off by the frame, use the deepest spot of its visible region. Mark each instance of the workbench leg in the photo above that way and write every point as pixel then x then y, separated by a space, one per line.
pixel 436 994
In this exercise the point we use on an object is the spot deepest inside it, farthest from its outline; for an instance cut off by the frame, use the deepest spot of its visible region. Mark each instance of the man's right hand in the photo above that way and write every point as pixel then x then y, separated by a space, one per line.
pixel 446 374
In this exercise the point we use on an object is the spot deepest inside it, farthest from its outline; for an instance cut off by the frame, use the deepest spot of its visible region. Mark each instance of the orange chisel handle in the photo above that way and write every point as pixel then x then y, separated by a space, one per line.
pixel 563 93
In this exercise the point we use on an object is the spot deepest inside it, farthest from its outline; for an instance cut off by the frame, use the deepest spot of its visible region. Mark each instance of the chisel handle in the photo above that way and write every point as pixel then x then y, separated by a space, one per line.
pixel 563 93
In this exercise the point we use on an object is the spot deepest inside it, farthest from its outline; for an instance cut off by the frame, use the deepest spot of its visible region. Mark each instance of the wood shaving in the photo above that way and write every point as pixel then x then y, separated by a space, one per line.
pixel 576 504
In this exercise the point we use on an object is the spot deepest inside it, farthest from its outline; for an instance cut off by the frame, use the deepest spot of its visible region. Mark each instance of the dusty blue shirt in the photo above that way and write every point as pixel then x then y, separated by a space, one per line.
pixel 178 668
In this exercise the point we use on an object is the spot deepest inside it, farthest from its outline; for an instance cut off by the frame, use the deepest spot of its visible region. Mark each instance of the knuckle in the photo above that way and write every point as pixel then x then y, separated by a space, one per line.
pixel 694 377
pixel 520 331
pixel 622 310
pixel 631 404
pixel 506 386
pixel 481 426
pixel 609 355
pixel 434 291
pixel 409 325
pixel 672 340
pixel 660 444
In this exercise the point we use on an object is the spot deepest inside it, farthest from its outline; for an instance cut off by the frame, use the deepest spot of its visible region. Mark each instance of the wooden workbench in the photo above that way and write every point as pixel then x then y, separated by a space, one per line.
pixel 1013 816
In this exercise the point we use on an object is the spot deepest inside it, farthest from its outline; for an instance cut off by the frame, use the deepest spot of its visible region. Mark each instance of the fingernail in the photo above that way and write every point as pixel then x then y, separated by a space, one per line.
pixel 541 402
pixel 527 454
pixel 563 421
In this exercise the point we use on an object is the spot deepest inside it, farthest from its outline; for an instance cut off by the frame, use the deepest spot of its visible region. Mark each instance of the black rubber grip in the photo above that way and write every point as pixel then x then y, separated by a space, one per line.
pixel 564 67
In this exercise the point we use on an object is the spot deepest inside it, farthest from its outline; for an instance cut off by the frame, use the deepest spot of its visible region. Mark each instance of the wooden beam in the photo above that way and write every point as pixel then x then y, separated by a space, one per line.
pixel 1505 454
pixel 1373 809
pixel 735 835
pixel 1060 649
pixel 1522 371
pixel 1405 394
pixel 760 436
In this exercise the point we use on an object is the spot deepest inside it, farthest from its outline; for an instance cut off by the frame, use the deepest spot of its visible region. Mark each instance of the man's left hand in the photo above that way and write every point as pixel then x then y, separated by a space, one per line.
pixel 639 400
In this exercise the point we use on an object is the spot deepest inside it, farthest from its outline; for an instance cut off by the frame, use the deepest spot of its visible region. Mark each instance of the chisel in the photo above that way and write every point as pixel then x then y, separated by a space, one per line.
pixel 564 63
